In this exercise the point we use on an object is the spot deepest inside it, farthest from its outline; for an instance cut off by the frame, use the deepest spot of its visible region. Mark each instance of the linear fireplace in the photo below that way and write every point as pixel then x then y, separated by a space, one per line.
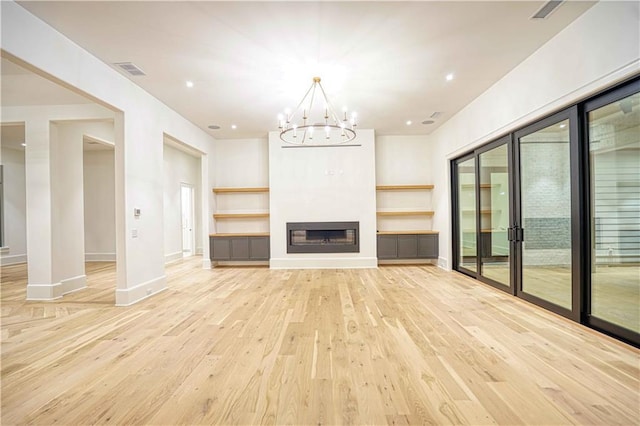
pixel 323 237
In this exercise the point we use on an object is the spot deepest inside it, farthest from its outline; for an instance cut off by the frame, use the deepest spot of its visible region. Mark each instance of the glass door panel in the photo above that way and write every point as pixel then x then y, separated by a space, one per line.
pixel 614 157
pixel 494 215
pixel 467 212
pixel 545 214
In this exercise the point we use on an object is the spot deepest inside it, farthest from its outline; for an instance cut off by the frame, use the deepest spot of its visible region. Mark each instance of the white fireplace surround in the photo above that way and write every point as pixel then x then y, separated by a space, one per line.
pixel 323 184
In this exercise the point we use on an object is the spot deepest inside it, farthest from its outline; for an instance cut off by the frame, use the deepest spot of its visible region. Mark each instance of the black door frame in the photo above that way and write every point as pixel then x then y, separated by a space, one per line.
pixel 456 226
pixel 570 114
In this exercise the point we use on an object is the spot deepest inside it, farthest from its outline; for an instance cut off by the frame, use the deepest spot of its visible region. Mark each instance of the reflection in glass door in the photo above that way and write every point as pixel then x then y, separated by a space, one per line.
pixel 545 214
pixel 614 157
pixel 494 215
pixel 467 212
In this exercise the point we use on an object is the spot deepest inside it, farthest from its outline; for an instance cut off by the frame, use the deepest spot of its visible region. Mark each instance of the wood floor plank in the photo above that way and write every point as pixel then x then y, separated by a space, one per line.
pixel 393 345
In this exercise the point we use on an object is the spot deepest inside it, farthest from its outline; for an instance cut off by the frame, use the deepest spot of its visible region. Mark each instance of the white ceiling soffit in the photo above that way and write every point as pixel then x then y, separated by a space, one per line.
pixel 250 60
pixel 22 87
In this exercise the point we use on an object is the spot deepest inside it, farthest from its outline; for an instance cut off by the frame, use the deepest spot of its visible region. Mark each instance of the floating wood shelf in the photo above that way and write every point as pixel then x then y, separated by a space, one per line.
pixel 406 213
pixel 239 215
pixel 423 232
pixel 240 234
pixel 402 187
pixel 238 190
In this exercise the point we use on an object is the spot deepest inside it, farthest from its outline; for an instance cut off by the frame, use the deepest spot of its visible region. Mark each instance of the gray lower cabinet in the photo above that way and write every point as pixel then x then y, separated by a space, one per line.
pixel 428 246
pixel 408 246
pixel 239 248
pixel 387 246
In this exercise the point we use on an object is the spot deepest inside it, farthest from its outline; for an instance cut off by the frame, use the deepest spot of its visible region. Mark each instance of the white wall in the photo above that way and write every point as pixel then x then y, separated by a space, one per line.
pixel 598 49
pixel 140 123
pixel 15 207
pixel 99 205
pixel 179 168
pixel 322 184
pixel 403 160
pixel 67 206
pixel 241 163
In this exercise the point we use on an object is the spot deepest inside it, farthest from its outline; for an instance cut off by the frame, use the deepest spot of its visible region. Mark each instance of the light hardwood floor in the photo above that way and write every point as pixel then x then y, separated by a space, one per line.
pixel 396 345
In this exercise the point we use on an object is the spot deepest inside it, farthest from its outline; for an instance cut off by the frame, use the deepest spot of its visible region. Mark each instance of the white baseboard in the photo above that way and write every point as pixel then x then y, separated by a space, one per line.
pixel 129 296
pixel 171 257
pixel 324 263
pixel 73 284
pixel 13 260
pixel 44 291
pixel 206 263
pixel 56 290
pixel 99 257
pixel 443 263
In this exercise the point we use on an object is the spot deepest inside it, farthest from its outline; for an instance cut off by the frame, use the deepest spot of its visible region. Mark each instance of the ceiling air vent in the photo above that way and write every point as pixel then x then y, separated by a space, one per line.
pixel 547 8
pixel 129 68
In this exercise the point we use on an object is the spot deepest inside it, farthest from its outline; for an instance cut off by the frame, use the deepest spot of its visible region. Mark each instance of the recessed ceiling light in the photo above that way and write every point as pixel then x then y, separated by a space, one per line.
pixel 562 126
pixel 409 122
pixel 428 122
pixel 23 144
pixel 233 126
pixel 449 77
pixel 189 83
pixel 213 126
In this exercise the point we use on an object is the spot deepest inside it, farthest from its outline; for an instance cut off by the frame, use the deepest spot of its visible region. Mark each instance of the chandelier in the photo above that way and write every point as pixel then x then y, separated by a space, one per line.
pixel 317 124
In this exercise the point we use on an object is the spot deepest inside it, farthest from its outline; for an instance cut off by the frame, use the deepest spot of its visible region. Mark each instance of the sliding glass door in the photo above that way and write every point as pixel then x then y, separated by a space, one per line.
pixel 483 214
pixel 551 212
pixel 545 269
pixel 613 123
pixel 466 201
pixel 494 203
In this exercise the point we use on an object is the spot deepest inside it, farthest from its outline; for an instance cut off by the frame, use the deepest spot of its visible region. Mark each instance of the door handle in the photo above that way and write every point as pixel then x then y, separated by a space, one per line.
pixel 515 233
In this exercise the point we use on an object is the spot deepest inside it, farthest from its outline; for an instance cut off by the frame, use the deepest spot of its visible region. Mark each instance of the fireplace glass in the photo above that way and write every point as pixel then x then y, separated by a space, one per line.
pixel 323 237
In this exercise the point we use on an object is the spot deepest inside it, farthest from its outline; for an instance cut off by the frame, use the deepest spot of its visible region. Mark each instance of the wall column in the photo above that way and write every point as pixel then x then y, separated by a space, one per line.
pixel 39 221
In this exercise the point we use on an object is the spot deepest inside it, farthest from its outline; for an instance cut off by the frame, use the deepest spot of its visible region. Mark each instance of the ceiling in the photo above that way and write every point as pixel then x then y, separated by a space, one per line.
pixel 248 61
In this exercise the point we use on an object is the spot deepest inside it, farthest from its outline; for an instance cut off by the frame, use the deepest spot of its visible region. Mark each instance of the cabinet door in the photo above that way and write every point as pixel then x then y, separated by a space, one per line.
pixel 428 246
pixel 387 246
pixel 407 246
pixel 219 248
pixel 259 248
pixel 240 248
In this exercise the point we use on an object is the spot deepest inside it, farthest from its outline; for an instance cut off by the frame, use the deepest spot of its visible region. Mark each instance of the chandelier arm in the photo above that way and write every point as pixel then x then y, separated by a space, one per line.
pixel 293 114
pixel 313 94
pixel 334 116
